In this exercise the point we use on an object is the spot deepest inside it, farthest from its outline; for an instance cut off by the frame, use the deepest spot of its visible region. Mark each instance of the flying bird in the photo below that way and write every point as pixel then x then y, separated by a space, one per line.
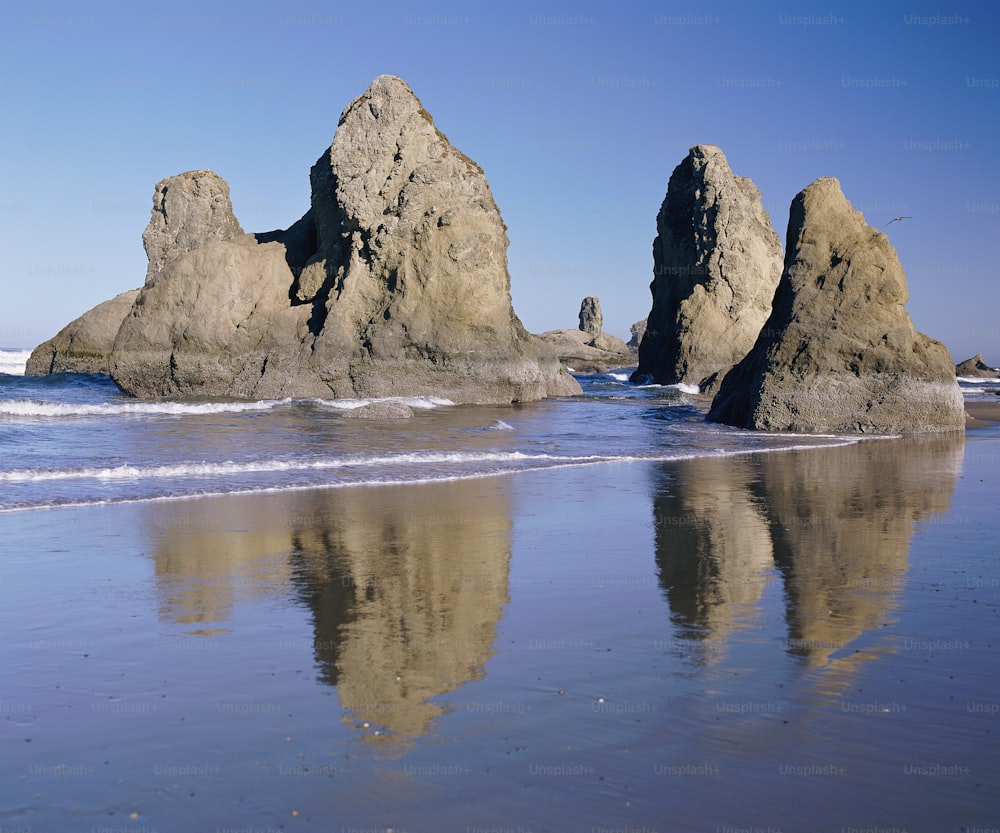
pixel 893 220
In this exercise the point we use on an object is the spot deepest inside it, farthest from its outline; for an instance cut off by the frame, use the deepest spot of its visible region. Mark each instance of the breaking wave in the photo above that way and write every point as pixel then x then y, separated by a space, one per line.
pixel 12 362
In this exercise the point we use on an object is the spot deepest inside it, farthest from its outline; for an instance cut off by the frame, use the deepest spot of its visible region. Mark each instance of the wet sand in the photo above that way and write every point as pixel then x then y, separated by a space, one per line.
pixel 801 640
pixel 982 412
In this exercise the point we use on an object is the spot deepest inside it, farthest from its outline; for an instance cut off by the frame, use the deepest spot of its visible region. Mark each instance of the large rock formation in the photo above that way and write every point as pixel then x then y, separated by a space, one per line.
pixel 839 352
pixel 587 349
pixel 83 345
pixel 976 368
pixel 394 283
pixel 716 263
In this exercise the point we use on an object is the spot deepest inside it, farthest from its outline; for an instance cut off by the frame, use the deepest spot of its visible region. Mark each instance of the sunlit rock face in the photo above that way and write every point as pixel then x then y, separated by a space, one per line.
pixel 394 283
pixel 716 263
pixel 839 351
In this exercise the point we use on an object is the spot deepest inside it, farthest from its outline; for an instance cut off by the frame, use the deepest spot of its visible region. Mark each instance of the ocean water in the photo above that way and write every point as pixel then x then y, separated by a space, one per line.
pixel 592 614
pixel 72 439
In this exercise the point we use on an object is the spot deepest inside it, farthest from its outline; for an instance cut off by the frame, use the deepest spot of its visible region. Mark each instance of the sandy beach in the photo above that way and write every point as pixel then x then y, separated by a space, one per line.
pixel 800 640
pixel 982 412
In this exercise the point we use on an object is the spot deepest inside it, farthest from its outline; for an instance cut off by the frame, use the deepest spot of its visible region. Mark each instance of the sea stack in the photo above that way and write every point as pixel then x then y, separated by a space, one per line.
pixel 976 368
pixel 638 331
pixel 394 283
pixel 591 317
pixel 716 264
pixel 839 351
pixel 587 349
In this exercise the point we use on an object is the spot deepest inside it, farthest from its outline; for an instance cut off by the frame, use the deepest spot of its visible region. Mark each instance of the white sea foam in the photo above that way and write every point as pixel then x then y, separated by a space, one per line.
pixel 12 362
pixel 419 402
pixel 680 386
pixel 527 463
pixel 619 377
pixel 500 425
pixel 229 467
pixel 35 408
pixel 975 380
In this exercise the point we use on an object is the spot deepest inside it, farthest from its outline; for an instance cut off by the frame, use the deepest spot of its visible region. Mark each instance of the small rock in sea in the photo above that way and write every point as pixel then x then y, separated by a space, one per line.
pixel 380 410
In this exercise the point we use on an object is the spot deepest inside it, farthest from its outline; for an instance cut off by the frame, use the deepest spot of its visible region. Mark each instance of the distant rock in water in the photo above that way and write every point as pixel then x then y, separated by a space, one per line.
pixel 83 345
pixel 716 264
pixel 380 410
pixel 638 330
pixel 587 349
pixel 839 351
pixel 394 283
pixel 591 318
pixel 976 368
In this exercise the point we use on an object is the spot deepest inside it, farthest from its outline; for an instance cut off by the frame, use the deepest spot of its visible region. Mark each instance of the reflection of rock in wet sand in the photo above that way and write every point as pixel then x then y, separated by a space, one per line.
pixel 837 523
pixel 713 546
pixel 406 585
pixel 209 553
pixel 842 519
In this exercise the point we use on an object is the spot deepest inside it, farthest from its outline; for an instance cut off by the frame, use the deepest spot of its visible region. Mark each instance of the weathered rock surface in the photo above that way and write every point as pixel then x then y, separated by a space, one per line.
pixel 839 351
pixel 587 349
pixel 716 264
pixel 976 368
pixel 83 345
pixel 189 210
pixel 380 410
pixel 638 330
pixel 583 353
pixel 217 321
pixel 591 317
pixel 394 283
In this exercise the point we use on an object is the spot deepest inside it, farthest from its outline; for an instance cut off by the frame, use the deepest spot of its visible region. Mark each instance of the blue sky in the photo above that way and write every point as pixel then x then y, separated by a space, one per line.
pixel 577 113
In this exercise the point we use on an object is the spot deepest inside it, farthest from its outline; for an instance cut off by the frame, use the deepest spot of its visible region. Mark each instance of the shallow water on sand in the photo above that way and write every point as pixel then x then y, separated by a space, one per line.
pixel 800 640
pixel 74 440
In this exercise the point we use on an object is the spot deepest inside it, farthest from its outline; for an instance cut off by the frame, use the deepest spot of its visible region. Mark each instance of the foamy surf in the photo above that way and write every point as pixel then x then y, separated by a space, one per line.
pixel 229 468
pixel 422 403
pixel 12 362
pixel 37 408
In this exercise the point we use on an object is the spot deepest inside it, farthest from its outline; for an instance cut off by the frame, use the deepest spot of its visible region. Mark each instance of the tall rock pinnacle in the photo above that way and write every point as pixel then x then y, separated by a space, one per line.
pixel 716 263
pixel 839 351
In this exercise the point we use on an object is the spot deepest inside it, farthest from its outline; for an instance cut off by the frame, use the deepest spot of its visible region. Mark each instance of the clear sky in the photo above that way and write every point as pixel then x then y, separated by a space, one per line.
pixel 577 112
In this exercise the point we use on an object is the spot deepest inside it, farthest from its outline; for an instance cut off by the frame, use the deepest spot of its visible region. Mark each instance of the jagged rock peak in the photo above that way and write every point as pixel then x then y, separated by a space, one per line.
pixel 716 263
pixel 189 209
pixel 591 318
pixel 839 351
pixel 976 368
pixel 393 283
